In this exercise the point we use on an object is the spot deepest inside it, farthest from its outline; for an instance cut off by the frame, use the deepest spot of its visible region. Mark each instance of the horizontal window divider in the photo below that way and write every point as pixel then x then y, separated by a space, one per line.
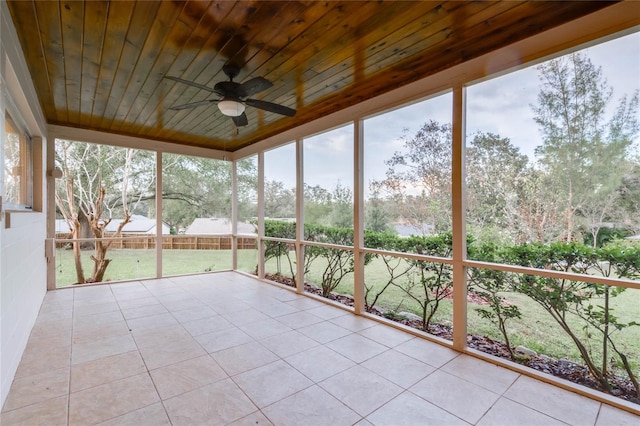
pixel 197 235
pixel 414 256
pixel 278 240
pixel 18 209
pixel 327 245
pixel 90 240
pixel 592 279
pixel 130 238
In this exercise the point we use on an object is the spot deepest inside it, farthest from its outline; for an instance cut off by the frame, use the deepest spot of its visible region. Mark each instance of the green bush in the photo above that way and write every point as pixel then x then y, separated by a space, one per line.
pixel 581 309
pixel 563 299
pixel 278 250
pixel 491 284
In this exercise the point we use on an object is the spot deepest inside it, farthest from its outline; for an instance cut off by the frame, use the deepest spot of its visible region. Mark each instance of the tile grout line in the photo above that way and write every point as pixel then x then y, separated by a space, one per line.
pixel 533 408
pixel 313 382
pixel 501 395
pixel 595 422
pixel 259 340
pixel 73 317
pixel 155 387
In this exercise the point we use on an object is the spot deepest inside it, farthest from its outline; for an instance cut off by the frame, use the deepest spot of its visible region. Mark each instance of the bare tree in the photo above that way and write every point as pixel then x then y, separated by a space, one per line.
pixel 90 173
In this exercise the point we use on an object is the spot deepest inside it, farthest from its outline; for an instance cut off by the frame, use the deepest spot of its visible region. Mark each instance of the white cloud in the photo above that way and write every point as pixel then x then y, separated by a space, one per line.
pixel 328 158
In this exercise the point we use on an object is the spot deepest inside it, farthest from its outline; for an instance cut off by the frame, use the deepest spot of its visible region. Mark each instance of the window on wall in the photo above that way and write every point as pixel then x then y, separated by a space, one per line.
pixel 407 208
pixel 328 179
pixel 280 213
pixel 280 185
pixel 105 213
pixel 196 206
pixel 328 210
pixel 407 169
pixel 553 173
pixel 553 150
pixel 247 194
pixel 247 215
pixel 18 167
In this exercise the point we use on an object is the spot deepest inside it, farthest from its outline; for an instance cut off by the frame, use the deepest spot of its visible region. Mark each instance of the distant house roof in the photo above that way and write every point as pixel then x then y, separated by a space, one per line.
pixel 62 227
pixel 138 224
pixel 213 226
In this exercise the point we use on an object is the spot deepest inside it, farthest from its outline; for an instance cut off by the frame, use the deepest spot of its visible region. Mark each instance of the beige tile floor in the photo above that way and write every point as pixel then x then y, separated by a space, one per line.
pixel 227 349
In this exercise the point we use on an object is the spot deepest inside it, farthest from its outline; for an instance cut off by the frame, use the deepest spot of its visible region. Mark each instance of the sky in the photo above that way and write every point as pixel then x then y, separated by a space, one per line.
pixel 502 105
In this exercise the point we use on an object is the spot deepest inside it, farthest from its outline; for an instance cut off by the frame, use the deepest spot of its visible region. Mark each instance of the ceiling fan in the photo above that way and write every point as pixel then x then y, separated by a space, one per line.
pixel 235 96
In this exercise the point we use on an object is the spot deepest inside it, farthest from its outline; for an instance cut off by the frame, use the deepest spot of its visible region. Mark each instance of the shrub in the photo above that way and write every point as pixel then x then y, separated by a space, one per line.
pixel 396 267
pixel 490 284
pixel 277 249
pixel 428 283
pixel 339 262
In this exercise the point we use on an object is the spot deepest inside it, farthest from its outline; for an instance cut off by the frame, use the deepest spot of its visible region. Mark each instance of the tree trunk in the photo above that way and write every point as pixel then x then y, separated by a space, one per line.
pixel 100 263
pixel 605 353
pixel 77 253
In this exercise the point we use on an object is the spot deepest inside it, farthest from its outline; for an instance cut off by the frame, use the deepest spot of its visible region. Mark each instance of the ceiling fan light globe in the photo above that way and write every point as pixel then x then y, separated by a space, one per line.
pixel 231 108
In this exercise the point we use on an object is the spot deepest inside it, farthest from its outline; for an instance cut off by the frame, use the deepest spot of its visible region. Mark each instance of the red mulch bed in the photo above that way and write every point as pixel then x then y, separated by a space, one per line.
pixel 576 373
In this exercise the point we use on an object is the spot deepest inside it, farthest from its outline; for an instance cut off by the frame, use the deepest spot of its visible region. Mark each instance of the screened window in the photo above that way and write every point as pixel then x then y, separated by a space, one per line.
pixel 18 167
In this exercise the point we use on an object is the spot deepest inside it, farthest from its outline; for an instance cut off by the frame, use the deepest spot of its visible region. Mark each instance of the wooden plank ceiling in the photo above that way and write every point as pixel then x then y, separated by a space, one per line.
pixel 100 65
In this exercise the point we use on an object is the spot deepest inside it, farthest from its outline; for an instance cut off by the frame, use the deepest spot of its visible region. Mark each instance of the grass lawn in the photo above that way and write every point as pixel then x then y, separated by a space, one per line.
pixel 129 264
pixel 536 329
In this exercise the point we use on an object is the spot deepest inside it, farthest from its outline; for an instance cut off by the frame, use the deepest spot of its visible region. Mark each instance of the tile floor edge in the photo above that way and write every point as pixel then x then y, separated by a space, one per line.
pixel 557 381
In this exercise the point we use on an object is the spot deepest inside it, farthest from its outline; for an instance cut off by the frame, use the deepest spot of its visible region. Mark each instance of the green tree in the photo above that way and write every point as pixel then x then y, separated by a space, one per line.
pixel 419 177
pixel 194 187
pixel 629 198
pixel 317 204
pixel 621 262
pixel 537 217
pixel 495 174
pixel 376 218
pixel 279 202
pixel 560 298
pixel 341 207
pixel 247 188
pixel 328 208
pixel 582 153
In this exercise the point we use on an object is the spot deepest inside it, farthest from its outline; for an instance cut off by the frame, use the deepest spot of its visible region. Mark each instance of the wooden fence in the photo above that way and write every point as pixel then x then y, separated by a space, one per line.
pixel 174 242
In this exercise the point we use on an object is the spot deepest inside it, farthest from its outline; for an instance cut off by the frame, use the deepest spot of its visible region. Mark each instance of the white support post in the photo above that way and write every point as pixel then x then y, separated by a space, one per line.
pixel 50 206
pixel 299 216
pixel 234 215
pixel 158 214
pixel 260 241
pixel 358 216
pixel 459 226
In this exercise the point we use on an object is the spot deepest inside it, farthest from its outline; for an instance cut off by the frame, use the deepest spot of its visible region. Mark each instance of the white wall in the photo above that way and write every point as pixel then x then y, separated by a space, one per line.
pixel 22 261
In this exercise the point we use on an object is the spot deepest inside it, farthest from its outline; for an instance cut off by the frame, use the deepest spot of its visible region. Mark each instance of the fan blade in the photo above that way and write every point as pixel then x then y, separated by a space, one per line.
pixel 240 120
pixel 271 107
pixel 253 86
pixel 193 104
pixel 192 83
